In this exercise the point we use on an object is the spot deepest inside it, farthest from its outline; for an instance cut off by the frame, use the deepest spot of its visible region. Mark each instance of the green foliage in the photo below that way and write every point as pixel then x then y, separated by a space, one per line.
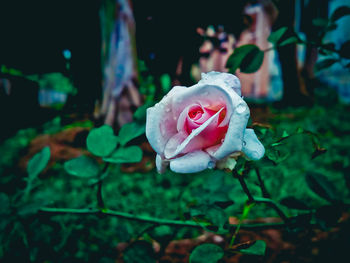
pixel 130 131
pixel 345 50
pixel 131 154
pixel 257 249
pixel 147 86
pixel 210 213
pixel 166 83
pixel 289 41
pixel 293 203
pixel 321 186
pixel 140 113
pixel 340 12
pixel 162 234
pixel 102 141
pixel 82 166
pixel 210 196
pixel 320 22
pixel 139 252
pixel 4 204
pixel 248 58
pixel 206 253
pixel 325 63
pixel 54 81
pixel 38 163
pixel 276 36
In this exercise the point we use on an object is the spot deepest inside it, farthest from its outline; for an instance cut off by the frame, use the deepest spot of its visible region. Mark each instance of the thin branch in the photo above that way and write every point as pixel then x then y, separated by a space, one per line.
pixel 264 191
pixel 244 185
pixel 274 206
pixel 266 201
pixel 100 201
pixel 152 220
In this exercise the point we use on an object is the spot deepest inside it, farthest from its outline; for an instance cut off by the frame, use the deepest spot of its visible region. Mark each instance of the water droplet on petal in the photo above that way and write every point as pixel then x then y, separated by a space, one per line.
pixel 211 165
pixel 244 143
pixel 222 140
pixel 167 109
pixel 241 108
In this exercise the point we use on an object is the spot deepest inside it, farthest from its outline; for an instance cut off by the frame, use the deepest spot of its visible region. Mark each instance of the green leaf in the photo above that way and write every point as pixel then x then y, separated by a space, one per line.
pixel 275 36
pixel 331 27
pixel 288 41
pixel 4 204
pixel 325 63
pixel 130 131
pixel 206 253
pixel 132 154
pixel 213 213
pixel 320 22
pixel 340 12
pixel 321 186
pixel 345 50
pixel 165 81
pixel 247 57
pixel 140 113
pixel 277 153
pixel 328 46
pixel 252 62
pixel 215 180
pixel 82 167
pixel 292 202
pixel 38 163
pixel 139 252
pixel 102 141
pixel 257 249
pixel 32 207
pixel 162 234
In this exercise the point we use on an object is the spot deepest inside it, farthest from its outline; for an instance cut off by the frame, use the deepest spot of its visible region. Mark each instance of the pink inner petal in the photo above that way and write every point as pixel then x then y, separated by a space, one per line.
pixel 208 136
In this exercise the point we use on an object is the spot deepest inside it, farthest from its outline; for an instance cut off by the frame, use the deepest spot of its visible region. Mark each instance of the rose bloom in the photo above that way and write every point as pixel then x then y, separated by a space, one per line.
pixel 202 126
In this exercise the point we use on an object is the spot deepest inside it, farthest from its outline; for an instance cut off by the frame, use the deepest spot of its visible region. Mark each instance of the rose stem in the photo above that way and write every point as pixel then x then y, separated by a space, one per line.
pixel 149 219
pixel 245 188
pixel 100 201
pixel 251 199
pixel 264 191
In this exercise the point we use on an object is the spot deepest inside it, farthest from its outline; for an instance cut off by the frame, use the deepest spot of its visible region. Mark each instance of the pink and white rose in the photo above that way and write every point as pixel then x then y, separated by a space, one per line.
pixel 199 127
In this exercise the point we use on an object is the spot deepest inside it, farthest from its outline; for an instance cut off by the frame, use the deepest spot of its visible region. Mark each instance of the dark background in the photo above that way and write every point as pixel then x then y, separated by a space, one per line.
pixel 34 34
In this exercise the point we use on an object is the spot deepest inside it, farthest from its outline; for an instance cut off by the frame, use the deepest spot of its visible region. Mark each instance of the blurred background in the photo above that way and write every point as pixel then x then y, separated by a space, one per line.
pixel 69 66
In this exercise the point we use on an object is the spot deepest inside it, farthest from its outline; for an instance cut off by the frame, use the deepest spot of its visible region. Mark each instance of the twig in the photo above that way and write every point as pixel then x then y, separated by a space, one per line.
pixel 274 206
pixel 100 201
pixel 244 187
pixel 264 191
pixel 266 201
pixel 245 213
pixel 152 220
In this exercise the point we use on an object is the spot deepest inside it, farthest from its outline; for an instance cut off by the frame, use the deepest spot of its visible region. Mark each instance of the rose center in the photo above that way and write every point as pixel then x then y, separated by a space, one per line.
pixel 195 113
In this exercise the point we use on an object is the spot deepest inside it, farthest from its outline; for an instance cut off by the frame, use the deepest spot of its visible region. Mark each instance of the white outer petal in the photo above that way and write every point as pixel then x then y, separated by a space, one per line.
pixel 252 148
pixel 230 80
pixel 191 163
pixel 234 137
pixel 161 114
